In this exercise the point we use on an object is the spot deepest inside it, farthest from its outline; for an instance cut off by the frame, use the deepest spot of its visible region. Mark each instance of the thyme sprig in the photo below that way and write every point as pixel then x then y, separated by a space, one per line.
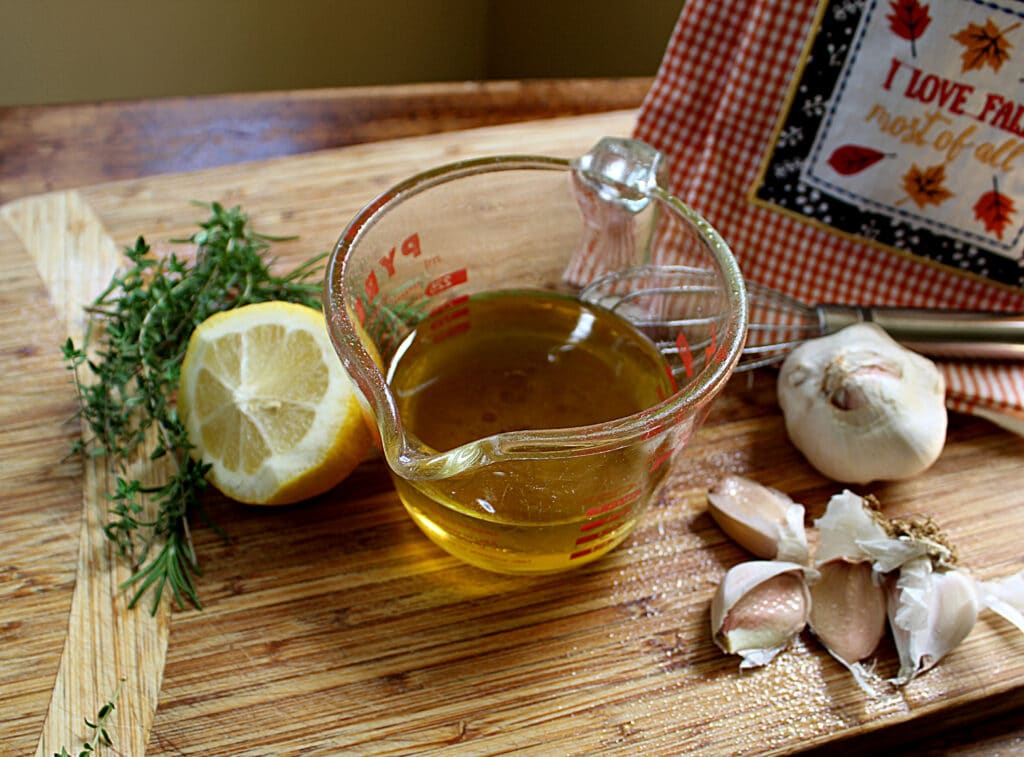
pixel 137 335
pixel 99 728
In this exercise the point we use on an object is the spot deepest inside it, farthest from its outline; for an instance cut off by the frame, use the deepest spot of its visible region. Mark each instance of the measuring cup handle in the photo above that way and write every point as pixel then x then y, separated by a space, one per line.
pixel 611 184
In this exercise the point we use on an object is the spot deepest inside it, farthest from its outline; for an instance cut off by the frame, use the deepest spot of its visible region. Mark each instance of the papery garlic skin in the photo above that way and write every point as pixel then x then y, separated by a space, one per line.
pixel 861 407
pixel 1005 597
pixel 844 527
pixel 930 613
pixel 760 519
pixel 758 608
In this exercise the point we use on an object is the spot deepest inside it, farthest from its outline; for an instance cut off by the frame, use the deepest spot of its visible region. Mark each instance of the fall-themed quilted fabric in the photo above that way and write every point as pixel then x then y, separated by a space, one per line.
pixel 859 151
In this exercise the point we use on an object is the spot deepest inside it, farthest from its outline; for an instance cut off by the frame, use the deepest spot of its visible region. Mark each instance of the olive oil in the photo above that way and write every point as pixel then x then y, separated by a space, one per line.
pixel 515 361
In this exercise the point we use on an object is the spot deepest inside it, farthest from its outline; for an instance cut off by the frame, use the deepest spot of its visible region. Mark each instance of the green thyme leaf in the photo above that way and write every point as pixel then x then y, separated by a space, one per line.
pixel 126 374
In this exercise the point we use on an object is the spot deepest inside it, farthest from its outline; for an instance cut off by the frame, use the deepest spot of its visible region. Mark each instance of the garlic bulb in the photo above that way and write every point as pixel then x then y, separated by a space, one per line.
pixel 762 520
pixel 861 408
pixel 758 608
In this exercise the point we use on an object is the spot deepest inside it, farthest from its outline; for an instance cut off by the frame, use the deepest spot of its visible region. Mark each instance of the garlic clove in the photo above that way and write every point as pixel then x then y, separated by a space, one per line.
pixel 758 608
pixel 861 407
pixel 848 523
pixel 930 613
pixel 848 609
pixel 760 519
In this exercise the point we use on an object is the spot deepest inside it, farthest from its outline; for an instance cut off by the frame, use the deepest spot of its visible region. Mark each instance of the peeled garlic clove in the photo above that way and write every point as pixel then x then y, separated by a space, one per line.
pixel 930 613
pixel 758 608
pixel 760 519
pixel 861 407
pixel 848 609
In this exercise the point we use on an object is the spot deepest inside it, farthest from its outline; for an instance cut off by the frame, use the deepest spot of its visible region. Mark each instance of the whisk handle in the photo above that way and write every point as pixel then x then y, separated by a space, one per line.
pixel 936 332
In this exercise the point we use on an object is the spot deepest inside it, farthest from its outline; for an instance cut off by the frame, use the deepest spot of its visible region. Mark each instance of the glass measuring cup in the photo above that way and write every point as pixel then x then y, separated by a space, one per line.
pixel 535 500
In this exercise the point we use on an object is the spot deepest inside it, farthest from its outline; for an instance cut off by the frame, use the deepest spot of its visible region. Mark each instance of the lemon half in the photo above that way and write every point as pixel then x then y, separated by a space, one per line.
pixel 268 405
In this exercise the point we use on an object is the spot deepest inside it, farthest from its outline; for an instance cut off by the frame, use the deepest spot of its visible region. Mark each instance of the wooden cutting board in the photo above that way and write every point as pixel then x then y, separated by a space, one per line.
pixel 336 627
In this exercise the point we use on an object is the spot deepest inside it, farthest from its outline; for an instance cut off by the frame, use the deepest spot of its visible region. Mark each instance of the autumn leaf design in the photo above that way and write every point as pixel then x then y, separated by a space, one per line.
pixel 926 186
pixel 984 45
pixel 908 20
pixel 850 159
pixel 994 209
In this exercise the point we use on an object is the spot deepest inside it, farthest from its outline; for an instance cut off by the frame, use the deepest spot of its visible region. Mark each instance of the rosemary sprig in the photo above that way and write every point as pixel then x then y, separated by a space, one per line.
pixel 134 344
pixel 99 728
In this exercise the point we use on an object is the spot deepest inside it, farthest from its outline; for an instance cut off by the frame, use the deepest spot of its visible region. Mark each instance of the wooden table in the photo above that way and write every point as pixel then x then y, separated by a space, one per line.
pixel 49 148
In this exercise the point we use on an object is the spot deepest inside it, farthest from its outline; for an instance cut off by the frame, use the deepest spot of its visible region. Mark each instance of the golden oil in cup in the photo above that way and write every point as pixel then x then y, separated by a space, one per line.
pixel 515 361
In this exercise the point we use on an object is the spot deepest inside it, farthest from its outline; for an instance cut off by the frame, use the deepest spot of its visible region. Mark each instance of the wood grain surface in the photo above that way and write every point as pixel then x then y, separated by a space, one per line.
pixel 107 646
pixel 43 148
pixel 336 627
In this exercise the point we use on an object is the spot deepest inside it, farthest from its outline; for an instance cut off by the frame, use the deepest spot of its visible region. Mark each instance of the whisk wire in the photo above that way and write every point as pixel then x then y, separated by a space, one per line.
pixel 673 303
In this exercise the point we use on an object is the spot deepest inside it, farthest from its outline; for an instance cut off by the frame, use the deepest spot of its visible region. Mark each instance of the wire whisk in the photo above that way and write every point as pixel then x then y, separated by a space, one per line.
pixel 664 301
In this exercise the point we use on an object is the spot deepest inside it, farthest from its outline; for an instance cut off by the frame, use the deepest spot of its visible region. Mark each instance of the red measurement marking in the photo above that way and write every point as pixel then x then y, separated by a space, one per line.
pixel 388 261
pixel 672 382
pixel 458 328
pixel 672 379
pixel 598 535
pixel 652 432
pixel 448 317
pixel 449 280
pixel 599 509
pixel 683 348
pixel 659 460
pixel 411 245
pixel 589 550
pixel 360 312
pixel 371 286
pixel 450 304
pixel 410 248
pixel 617 515
pixel 711 349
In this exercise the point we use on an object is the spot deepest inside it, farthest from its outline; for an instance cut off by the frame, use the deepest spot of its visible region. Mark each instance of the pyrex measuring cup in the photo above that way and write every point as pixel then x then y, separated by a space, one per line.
pixel 536 500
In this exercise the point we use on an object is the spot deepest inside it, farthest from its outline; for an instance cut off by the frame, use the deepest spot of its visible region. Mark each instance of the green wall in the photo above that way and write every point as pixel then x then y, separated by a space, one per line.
pixel 76 50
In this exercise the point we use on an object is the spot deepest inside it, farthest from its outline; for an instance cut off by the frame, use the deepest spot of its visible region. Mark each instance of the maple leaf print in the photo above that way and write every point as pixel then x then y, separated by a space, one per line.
pixel 994 209
pixel 908 20
pixel 851 159
pixel 926 186
pixel 984 45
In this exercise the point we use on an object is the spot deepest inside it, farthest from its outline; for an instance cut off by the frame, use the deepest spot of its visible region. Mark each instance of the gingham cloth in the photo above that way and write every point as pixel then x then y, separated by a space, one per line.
pixel 713 111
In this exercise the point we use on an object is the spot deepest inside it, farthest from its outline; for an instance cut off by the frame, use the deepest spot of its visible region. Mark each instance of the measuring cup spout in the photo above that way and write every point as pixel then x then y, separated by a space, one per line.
pixel 405 456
